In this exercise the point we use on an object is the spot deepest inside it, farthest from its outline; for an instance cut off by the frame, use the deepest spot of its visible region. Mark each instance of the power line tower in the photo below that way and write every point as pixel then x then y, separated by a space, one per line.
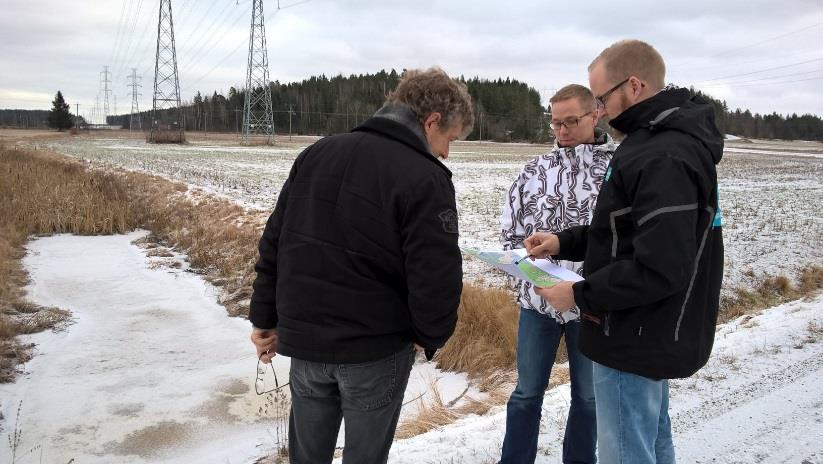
pixel 257 112
pixel 104 87
pixel 134 120
pixel 167 122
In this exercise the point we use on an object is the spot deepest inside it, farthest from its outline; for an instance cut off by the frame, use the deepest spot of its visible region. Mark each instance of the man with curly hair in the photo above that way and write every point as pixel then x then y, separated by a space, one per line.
pixel 359 263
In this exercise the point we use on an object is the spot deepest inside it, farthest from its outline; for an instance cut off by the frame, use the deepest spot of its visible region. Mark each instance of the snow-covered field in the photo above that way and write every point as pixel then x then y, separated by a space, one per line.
pixel 153 370
pixel 771 192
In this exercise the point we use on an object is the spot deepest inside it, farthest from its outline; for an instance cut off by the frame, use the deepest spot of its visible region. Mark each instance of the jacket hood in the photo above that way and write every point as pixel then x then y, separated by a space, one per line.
pixel 673 109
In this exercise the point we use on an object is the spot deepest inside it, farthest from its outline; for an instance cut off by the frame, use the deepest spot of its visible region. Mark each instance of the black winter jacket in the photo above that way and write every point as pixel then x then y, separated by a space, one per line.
pixel 360 256
pixel 654 250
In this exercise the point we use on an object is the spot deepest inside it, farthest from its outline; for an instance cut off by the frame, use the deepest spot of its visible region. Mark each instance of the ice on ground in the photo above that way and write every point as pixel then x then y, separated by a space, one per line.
pixel 152 370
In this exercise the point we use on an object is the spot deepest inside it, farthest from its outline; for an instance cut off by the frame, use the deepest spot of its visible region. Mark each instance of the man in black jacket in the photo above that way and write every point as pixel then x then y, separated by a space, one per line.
pixel 653 253
pixel 358 263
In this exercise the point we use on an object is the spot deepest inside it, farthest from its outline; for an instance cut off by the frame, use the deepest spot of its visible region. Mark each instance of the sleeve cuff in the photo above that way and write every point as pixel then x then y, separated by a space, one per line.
pixel 579 300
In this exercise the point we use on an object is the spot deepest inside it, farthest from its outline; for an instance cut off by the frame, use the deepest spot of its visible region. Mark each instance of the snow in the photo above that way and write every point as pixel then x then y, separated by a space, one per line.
pixel 759 400
pixel 770 191
pixel 152 369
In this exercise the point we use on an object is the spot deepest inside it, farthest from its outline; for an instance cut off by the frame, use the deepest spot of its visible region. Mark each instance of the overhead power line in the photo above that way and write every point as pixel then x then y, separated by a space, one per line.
pixel 735 86
pixel 762 70
pixel 770 39
pixel 780 76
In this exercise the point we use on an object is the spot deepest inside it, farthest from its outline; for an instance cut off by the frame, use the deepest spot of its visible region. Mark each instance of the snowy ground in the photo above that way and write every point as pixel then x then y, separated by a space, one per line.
pixel 152 369
pixel 759 400
pixel 770 191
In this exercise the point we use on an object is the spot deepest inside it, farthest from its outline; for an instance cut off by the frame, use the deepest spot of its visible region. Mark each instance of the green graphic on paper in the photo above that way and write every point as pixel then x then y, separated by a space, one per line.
pixel 536 275
pixel 515 265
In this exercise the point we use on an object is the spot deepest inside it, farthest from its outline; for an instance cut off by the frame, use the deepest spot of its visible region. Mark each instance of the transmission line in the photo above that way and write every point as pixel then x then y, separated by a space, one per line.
pixel 763 70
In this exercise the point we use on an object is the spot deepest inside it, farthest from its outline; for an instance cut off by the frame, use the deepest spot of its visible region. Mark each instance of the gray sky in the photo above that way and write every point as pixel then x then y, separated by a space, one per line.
pixel 762 55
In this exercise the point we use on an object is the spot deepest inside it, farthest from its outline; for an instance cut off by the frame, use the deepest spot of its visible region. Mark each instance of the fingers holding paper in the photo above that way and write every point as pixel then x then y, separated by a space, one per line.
pixel 560 296
pixel 542 245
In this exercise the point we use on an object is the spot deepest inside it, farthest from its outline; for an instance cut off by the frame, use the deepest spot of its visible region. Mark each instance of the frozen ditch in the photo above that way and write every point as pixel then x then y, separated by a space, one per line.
pixel 152 370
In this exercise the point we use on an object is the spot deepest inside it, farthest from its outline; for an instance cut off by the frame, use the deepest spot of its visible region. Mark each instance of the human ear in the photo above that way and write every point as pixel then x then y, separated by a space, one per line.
pixel 431 120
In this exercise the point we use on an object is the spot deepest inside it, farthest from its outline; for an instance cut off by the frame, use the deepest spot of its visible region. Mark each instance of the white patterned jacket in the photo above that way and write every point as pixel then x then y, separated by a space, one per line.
pixel 553 192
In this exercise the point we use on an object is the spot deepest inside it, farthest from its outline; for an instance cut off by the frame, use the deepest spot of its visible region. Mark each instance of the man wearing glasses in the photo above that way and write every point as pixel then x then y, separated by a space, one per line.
pixel 358 263
pixel 653 253
pixel 555 191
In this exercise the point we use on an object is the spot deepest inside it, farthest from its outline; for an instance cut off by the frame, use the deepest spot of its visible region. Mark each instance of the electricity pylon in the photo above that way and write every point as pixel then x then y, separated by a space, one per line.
pixel 134 120
pixel 167 124
pixel 257 111
pixel 104 87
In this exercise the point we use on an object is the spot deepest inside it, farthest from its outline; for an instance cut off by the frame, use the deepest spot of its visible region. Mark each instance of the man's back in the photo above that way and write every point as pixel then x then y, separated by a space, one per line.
pixel 365 262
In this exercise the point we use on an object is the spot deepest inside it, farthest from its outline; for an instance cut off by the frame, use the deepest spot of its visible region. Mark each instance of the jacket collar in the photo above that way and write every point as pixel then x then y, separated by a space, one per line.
pixel 397 121
pixel 651 111
pixel 601 138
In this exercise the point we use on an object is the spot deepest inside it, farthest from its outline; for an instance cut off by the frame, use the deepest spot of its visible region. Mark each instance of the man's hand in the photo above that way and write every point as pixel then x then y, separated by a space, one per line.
pixel 560 296
pixel 265 341
pixel 542 245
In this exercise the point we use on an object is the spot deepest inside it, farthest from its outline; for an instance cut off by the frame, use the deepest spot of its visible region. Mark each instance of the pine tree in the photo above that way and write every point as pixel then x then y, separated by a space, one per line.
pixel 59 117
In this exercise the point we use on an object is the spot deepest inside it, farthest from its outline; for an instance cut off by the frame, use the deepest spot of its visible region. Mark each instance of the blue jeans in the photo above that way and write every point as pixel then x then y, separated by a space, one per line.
pixel 368 396
pixel 538 338
pixel 632 418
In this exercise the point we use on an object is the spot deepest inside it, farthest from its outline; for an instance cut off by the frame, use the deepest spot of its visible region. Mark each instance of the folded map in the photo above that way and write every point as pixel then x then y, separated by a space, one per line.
pixel 540 272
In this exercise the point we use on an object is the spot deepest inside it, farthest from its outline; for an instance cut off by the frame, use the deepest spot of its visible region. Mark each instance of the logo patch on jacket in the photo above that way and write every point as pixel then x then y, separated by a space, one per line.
pixel 449 220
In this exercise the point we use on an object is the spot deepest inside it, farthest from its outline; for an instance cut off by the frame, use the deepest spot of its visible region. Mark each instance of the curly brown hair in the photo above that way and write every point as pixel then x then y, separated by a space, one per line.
pixel 433 91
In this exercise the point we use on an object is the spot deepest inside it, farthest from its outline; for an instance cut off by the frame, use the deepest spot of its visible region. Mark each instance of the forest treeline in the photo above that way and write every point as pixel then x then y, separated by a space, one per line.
pixel 507 110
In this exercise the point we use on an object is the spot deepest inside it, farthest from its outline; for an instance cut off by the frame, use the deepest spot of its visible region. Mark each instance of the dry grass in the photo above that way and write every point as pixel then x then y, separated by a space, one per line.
pixel 430 415
pixel 166 136
pixel 43 193
pixel 771 291
pixel 485 340
pixel 484 346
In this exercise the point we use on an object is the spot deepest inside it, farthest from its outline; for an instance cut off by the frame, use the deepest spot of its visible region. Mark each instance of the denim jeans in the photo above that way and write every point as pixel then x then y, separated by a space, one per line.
pixel 366 395
pixel 632 418
pixel 538 338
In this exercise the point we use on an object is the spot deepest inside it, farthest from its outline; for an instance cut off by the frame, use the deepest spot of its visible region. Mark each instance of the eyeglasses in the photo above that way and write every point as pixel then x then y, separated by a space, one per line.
pixel 601 100
pixel 570 123
pixel 260 383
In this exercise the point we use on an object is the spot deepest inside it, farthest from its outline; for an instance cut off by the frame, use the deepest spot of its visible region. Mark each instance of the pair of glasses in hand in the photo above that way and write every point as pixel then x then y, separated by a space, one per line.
pixel 260 382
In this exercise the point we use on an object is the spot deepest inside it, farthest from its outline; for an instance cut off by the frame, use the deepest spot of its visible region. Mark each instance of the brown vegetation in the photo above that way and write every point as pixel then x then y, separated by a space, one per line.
pixel 485 340
pixel 771 291
pixel 43 193
pixel 166 136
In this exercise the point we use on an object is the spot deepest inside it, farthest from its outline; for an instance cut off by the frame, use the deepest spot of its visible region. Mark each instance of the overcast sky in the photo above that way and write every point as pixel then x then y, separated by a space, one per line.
pixel 762 55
